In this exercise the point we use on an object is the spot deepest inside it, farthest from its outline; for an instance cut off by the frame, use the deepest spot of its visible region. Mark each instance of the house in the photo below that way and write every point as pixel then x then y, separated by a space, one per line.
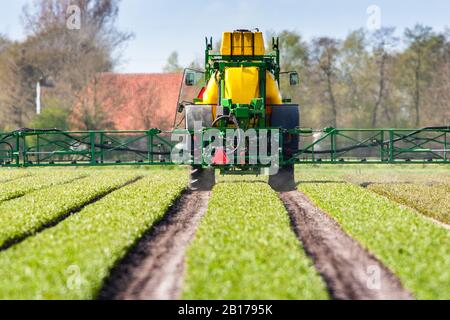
pixel 128 102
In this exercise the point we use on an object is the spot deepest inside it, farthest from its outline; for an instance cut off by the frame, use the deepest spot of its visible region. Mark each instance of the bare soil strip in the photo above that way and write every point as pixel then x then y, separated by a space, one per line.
pixel 154 269
pixel 54 223
pixel 351 273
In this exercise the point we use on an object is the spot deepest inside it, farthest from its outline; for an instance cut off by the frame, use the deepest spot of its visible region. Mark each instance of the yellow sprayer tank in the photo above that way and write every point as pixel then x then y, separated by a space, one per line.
pixel 241 86
pixel 242 43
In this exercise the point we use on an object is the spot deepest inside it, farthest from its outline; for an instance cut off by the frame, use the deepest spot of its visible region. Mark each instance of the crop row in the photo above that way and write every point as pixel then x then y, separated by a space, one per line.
pixel 381 174
pixel 72 259
pixel 245 249
pixel 9 175
pixel 17 188
pixel 433 201
pixel 24 216
pixel 426 191
pixel 399 178
pixel 415 249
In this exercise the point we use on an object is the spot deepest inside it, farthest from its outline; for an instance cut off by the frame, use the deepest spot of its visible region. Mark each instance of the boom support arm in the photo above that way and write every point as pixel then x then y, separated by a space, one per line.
pixel 40 148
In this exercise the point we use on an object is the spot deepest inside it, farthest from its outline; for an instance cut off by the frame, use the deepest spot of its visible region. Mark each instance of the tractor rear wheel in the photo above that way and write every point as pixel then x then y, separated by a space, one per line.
pixel 201 179
pixel 284 180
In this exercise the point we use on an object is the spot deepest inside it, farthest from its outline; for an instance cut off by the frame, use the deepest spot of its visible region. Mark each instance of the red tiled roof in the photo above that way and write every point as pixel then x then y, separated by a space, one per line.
pixel 130 101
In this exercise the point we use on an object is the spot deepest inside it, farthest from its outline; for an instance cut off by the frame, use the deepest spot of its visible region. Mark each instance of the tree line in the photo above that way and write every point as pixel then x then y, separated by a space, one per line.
pixel 371 79
pixel 367 79
pixel 62 60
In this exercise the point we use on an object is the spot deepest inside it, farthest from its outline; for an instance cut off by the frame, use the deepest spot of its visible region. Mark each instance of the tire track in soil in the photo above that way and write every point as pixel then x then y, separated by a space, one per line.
pixel 350 272
pixel 154 268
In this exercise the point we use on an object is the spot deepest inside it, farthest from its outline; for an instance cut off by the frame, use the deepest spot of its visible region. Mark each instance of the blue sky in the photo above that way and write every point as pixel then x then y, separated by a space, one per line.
pixel 162 26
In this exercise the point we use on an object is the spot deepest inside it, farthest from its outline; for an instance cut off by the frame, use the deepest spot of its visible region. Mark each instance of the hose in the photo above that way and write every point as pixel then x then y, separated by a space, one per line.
pixel 233 119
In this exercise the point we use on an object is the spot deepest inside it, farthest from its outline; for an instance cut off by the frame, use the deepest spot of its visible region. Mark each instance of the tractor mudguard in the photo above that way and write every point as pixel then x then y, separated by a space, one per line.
pixel 201 179
pixel 199 113
pixel 287 116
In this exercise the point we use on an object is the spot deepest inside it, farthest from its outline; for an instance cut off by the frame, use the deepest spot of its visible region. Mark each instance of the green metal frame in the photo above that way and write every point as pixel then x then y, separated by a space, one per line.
pixel 153 147
pixel 378 146
pixel 85 148
pixel 9 150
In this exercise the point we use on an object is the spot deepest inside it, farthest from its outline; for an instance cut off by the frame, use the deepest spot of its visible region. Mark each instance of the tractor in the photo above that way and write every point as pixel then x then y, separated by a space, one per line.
pixel 241 92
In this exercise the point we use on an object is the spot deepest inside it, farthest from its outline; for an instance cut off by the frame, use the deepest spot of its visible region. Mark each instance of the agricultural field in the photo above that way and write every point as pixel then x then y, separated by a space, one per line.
pixel 386 211
pixel 243 240
pixel 89 242
pixel 102 233
pixel 24 216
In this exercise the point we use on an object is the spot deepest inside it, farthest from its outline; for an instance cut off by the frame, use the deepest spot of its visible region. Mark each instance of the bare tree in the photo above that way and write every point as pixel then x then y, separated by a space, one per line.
pixel 147 106
pixel 325 53
pixel 356 78
pixel 18 82
pixel 383 41
pixel 438 96
pixel 417 38
pixel 4 44
pixel 70 58
pixel 98 103
pixel 172 64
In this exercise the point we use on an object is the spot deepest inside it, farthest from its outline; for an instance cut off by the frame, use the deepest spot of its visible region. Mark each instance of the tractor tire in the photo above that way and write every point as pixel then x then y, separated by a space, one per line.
pixel 284 180
pixel 201 179
pixel 287 117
